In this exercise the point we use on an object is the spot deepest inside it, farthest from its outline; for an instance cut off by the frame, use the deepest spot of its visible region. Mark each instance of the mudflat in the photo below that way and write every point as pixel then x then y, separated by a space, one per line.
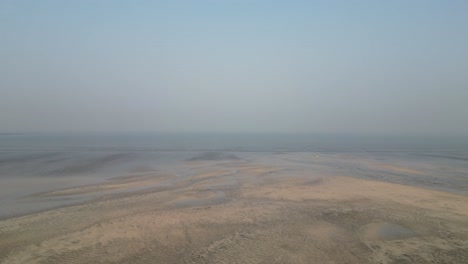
pixel 254 210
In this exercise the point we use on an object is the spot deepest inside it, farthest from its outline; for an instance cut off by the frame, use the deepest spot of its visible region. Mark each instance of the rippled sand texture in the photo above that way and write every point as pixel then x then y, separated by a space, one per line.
pixel 229 210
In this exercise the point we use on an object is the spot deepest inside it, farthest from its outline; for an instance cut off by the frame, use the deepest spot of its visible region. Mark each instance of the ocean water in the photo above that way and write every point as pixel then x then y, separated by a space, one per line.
pixel 34 163
pixel 228 142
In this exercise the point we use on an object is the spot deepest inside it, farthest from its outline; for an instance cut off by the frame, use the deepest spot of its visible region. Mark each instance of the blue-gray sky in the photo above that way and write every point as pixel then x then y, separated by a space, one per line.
pixel 373 67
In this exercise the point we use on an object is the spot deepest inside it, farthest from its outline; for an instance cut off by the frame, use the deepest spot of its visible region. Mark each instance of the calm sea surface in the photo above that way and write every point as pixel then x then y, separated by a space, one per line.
pixel 229 142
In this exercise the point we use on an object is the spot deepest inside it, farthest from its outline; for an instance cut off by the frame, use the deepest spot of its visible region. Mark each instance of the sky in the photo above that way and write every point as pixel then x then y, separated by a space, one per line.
pixel 359 67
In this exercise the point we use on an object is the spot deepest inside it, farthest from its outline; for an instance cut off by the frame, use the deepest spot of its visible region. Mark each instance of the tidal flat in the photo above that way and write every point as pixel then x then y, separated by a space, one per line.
pixel 217 207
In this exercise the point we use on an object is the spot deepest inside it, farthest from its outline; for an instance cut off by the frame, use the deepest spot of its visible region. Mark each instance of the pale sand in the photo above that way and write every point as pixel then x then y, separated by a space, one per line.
pixel 242 212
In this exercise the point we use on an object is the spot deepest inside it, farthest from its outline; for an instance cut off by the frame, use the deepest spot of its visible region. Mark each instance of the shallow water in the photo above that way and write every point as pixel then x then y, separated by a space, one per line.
pixel 394 231
pixel 213 198
pixel 32 164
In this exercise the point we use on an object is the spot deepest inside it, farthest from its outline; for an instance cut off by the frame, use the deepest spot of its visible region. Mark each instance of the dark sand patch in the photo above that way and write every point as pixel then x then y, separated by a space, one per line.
pixel 18 159
pixel 116 183
pixel 214 156
pixel 92 165
pixel 386 231
pixel 201 198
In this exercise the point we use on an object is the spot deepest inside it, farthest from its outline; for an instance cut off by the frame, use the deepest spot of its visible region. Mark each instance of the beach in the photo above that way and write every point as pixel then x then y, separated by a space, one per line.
pixel 229 207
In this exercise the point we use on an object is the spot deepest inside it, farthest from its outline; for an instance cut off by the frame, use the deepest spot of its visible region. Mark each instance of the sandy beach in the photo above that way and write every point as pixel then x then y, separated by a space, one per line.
pixel 230 210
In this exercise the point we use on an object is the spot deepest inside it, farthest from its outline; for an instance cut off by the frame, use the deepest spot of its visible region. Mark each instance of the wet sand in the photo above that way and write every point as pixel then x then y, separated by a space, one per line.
pixel 253 209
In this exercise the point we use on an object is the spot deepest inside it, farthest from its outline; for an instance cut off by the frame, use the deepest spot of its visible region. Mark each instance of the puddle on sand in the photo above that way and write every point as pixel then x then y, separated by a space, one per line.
pixel 200 199
pixel 387 231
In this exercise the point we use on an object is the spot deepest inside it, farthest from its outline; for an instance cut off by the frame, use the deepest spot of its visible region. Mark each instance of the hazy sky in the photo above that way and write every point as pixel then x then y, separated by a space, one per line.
pixel 369 67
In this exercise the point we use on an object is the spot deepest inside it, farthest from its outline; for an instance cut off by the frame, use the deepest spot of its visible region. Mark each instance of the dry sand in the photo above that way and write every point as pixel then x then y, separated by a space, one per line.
pixel 245 212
